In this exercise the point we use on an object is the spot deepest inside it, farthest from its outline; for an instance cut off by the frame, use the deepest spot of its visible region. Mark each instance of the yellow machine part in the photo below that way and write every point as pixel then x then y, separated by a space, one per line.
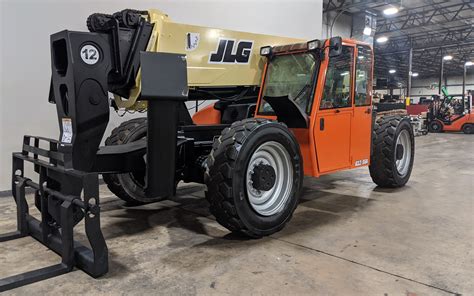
pixel 199 43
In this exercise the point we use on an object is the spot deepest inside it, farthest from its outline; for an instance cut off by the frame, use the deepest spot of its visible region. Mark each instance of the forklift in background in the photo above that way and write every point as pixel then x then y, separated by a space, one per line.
pixel 451 114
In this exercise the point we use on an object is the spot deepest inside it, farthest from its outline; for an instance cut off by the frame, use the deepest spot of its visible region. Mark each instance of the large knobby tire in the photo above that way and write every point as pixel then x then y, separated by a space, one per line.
pixel 128 187
pixel 468 128
pixel 393 151
pixel 254 177
pixel 435 126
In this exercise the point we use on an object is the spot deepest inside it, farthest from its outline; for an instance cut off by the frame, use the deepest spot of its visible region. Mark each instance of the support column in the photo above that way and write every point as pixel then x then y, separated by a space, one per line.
pixel 441 74
pixel 410 61
pixel 464 83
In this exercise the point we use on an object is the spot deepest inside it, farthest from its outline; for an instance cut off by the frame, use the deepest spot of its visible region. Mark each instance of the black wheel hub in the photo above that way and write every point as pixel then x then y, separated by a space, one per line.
pixel 435 126
pixel 399 152
pixel 263 177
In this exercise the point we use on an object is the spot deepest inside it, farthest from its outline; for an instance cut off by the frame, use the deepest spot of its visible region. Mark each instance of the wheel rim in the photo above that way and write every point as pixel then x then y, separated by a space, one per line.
pixel 267 203
pixel 403 164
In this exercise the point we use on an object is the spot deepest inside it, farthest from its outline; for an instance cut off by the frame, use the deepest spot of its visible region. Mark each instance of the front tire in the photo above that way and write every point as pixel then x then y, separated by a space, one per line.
pixel 129 187
pixel 468 128
pixel 124 133
pixel 254 177
pixel 435 126
pixel 393 151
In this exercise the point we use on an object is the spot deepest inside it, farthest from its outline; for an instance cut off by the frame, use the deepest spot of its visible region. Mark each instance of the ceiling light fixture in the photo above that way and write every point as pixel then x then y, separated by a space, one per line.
pixel 448 57
pixel 390 11
pixel 468 64
pixel 391 71
pixel 382 39
pixel 414 74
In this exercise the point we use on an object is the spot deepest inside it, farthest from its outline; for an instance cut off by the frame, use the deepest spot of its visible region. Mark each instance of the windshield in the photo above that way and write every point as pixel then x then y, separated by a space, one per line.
pixel 291 76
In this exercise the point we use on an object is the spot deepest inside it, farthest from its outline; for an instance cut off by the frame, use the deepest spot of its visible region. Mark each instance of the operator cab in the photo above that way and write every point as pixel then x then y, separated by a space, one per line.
pixel 323 89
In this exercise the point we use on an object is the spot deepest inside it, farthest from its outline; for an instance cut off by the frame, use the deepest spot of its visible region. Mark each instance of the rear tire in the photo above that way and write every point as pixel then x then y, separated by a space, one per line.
pixel 254 177
pixel 468 128
pixel 435 126
pixel 123 185
pixel 393 151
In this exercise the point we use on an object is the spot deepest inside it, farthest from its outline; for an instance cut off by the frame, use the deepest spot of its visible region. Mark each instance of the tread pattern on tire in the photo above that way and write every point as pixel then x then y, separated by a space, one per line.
pixel 381 168
pixel 117 137
pixel 218 176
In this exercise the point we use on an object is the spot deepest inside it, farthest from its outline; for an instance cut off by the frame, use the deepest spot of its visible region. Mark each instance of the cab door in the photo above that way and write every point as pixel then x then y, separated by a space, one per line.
pixel 332 131
pixel 362 120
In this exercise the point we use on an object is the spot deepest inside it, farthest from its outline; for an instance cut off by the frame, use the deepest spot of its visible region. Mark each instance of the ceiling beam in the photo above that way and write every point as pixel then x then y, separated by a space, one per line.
pixel 413 19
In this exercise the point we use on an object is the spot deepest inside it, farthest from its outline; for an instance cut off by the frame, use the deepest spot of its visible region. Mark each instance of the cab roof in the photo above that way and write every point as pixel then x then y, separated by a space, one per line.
pixel 303 46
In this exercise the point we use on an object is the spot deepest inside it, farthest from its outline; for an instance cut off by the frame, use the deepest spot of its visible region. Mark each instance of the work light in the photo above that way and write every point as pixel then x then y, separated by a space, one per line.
pixel 265 51
pixel 313 44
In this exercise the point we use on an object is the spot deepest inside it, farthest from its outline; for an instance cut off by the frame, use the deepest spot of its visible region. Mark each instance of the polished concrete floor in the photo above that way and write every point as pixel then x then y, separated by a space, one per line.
pixel 347 237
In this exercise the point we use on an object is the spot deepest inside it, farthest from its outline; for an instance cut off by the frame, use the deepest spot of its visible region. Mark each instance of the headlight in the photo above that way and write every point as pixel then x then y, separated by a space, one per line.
pixel 313 44
pixel 265 51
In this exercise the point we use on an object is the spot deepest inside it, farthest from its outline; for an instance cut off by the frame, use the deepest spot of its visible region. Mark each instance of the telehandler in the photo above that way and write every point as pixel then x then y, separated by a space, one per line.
pixel 313 116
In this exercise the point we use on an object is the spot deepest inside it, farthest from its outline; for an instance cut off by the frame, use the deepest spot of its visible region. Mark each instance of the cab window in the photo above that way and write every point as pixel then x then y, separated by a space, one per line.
pixel 290 76
pixel 363 87
pixel 337 87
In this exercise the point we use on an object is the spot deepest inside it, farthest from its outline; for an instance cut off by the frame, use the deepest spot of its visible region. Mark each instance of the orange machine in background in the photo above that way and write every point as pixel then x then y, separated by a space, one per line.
pixel 452 115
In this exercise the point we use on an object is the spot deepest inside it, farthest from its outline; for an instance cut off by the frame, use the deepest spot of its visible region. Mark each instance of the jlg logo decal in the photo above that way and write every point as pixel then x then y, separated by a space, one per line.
pixel 229 51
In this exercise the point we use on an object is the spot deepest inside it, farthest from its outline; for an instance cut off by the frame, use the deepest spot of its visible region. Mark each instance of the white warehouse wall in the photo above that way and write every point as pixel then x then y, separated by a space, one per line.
pixel 25 26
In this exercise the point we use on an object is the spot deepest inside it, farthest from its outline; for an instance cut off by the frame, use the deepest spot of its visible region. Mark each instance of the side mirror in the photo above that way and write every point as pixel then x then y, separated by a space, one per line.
pixel 335 46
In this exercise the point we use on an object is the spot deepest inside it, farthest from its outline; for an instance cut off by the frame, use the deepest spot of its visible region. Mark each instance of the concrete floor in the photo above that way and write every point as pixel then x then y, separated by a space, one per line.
pixel 347 237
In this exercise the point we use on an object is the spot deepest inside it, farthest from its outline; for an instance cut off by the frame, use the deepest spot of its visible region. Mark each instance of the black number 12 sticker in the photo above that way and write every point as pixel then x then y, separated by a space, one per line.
pixel 89 54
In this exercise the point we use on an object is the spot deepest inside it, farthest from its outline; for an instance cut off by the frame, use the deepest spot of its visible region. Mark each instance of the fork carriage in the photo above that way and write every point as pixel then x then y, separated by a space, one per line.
pixel 64 197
